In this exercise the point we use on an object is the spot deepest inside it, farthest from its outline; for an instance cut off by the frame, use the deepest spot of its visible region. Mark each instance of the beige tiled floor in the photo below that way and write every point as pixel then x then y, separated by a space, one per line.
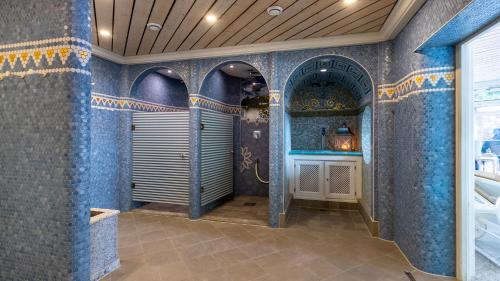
pixel 236 211
pixel 330 246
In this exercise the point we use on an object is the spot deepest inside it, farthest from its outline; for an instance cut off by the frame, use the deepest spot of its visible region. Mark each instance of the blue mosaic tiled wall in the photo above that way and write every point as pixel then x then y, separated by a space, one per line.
pixel 416 196
pixel 45 140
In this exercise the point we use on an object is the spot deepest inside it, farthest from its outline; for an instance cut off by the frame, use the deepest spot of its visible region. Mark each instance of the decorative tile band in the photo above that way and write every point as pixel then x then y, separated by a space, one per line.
pixel 18 61
pixel 274 97
pixel 417 92
pixel 417 82
pixel 199 101
pixel 107 102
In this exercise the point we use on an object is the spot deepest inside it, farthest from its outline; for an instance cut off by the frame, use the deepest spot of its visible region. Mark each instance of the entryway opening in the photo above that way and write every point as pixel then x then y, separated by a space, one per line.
pixel 478 154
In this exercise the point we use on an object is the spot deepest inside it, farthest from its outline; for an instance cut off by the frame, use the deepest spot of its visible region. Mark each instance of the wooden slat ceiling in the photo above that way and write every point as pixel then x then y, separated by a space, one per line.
pixel 240 22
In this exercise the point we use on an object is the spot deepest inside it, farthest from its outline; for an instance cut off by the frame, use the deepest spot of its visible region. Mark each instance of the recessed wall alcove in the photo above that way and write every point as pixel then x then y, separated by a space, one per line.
pixel 323 94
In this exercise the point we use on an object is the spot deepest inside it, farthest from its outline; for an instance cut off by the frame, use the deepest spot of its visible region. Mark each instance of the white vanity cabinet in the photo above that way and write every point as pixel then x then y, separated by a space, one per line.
pixel 325 177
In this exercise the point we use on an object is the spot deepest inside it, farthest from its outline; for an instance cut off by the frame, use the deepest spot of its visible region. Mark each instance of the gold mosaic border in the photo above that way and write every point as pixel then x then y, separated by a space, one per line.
pixel 417 78
pixel 43 72
pixel 199 101
pixel 274 98
pixel 45 42
pixel 107 102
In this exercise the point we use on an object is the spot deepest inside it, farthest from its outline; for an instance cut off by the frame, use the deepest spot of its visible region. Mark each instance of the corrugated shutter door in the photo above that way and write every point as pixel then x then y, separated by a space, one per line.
pixel 216 156
pixel 161 157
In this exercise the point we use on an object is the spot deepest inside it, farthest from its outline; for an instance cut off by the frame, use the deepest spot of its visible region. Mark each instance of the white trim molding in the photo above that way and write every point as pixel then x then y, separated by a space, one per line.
pixel 403 11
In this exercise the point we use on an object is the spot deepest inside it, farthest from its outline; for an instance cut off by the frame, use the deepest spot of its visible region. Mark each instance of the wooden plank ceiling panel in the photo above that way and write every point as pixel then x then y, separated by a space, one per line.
pixel 325 13
pixel 380 13
pixel 123 12
pixel 218 10
pixel 140 16
pixel 229 16
pixel 251 13
pixel 291 22
pixel 94 26
pixel 333 19
pixel 369 27
pixel 179 11
pixel 104 17
pixel 259 21
pixel 158 15
pixel 299 7
pixel 194 16
pixel 352 17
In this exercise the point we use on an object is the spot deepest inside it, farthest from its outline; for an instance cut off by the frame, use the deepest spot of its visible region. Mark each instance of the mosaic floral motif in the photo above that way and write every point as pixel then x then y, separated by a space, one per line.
pixel 102 101
pixel 246 159
pixel 417 82
pixel 28 61
pixel 322 98
pixel 198 101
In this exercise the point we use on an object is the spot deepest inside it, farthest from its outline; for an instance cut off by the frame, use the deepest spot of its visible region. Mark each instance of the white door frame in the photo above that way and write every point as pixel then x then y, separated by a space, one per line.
pixel 464 153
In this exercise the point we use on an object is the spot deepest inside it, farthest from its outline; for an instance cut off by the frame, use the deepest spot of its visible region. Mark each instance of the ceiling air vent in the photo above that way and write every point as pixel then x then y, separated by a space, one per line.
pixel 274 11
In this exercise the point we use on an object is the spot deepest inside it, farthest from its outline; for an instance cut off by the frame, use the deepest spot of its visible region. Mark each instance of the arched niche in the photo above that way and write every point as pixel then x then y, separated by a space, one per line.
pixel 326 92
pixel 160 85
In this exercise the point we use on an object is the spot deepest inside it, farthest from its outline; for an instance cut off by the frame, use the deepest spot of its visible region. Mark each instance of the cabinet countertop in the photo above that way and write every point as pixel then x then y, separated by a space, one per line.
pixel 325 152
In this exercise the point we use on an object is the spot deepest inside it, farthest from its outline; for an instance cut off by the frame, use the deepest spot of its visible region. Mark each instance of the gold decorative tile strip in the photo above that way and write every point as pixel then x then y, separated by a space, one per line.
pixel 416 82
pixel 43 72
pixel 25 56
pixel 107 102
pixel 274 98
pixel 46 42
pixel 199 101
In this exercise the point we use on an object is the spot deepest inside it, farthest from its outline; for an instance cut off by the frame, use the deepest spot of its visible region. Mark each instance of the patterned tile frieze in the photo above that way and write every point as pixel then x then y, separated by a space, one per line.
pixel 44 57
pixel 202 102
pixel 274 98
pixel 437 79
pixel 107 102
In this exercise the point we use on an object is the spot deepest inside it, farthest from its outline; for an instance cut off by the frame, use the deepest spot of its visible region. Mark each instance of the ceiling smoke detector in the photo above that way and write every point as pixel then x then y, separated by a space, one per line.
pixel 153 26
pixel 274 11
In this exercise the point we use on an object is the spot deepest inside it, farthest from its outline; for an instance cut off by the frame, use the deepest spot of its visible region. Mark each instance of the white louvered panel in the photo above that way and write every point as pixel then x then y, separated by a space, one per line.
pixel 340 182
pixel 309 179
pixel 161 157
pixel 216 156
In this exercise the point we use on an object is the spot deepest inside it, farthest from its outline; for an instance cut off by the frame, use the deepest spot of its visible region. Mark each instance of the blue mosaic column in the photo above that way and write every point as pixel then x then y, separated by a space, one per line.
pixel 275 158
pixel 44 140
pixel 195 163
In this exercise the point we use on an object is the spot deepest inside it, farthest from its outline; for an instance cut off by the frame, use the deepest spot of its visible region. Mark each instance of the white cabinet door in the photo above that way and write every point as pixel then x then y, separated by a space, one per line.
pixel 309 178
pixel 340 180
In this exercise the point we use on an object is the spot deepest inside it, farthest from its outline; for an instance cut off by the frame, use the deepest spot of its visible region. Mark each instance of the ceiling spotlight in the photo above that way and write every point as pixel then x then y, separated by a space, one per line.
pixel 169 71
pixel 104 32
pixel 211 18
pixel 323 70
pixel 254 83
pixel 274 11
pixel 349 2
pixel 154 26
pixel 231 66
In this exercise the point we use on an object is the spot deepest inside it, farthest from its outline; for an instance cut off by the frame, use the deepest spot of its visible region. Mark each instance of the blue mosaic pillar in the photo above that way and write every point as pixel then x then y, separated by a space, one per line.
pixel 195 163
pixel 44 140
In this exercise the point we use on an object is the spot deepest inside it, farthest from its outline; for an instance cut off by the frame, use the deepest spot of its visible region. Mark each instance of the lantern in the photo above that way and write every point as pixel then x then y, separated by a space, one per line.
pixel 343 138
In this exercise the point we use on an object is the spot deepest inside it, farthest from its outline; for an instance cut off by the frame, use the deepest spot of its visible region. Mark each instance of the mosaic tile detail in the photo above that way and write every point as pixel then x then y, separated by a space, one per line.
pixel 30 61
pixel 274 98
pixel 106 102
pixel 246 159
pixel 418 82
pixel 199 101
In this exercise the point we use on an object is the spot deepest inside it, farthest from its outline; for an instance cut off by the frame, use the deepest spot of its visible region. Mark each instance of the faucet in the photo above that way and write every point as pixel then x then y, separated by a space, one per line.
pixel 323 133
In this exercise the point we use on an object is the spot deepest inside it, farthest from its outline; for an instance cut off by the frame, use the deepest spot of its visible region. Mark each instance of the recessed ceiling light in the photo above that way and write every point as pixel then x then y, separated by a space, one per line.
pixel 323 70
pixel 231 66
pixel 254 83
pixel 169 71
pixel 104 32
pixel 274 11
pixel 349 2
pixel 211 18
pixel 153 26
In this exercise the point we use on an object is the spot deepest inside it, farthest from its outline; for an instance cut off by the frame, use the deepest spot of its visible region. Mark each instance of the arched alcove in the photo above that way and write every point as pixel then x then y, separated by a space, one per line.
pixel 323 94
pixel 162 86
pixel 237 88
